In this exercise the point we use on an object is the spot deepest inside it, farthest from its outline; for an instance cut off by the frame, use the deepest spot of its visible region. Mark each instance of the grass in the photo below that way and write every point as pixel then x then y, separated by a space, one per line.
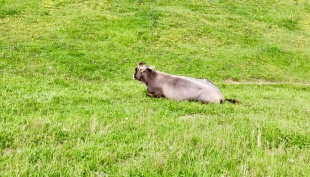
pixel 69 106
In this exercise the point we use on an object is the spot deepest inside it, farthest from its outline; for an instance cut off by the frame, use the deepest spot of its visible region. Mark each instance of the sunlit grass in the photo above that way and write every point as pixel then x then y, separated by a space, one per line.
pixel 69 106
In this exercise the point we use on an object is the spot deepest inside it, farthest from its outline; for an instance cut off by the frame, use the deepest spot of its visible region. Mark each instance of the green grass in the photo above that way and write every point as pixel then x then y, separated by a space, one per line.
pixel 69 106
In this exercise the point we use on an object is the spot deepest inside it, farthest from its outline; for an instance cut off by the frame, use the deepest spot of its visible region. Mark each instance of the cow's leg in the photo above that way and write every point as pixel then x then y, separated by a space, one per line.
pixel 201 96
pixel 154 92
pixel 205 102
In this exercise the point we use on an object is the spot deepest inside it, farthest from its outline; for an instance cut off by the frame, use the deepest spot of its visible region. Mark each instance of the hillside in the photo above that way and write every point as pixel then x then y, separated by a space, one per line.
pixel 69 106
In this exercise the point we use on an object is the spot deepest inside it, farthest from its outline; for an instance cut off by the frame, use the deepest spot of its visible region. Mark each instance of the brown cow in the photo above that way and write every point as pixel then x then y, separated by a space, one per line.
pixel 161 84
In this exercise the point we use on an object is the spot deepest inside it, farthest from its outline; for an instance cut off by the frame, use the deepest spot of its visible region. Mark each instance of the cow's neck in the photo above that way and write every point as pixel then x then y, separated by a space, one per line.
pixel 150 77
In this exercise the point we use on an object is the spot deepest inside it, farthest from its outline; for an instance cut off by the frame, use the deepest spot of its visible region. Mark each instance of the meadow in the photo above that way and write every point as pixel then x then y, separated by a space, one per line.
pixel 69 105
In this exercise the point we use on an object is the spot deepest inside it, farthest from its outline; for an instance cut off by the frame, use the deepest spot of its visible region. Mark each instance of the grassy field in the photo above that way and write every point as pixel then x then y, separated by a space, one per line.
pixel 69 106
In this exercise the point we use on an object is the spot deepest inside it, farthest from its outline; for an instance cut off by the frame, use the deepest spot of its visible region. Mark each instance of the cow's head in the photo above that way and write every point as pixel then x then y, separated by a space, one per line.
pixel 141 72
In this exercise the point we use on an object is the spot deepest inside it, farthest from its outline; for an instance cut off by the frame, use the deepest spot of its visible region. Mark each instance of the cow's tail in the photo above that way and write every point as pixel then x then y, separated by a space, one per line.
pixel 234 101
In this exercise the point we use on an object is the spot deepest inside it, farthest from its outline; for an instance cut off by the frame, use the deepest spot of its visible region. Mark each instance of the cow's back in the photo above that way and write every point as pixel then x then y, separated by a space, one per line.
pixel 183 88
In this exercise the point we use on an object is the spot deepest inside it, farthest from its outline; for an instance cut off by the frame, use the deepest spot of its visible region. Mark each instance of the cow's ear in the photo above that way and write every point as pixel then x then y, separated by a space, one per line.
pixel 152 67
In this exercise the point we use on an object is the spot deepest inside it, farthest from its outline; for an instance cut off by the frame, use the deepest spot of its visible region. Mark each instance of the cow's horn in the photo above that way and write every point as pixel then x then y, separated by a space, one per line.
pixel 141 69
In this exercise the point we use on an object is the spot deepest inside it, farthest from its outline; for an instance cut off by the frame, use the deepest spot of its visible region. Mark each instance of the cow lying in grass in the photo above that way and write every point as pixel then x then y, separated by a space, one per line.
pixel 161 84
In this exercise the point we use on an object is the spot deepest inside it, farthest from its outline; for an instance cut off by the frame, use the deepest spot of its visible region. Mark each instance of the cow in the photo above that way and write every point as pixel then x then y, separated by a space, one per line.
pixel 160 84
